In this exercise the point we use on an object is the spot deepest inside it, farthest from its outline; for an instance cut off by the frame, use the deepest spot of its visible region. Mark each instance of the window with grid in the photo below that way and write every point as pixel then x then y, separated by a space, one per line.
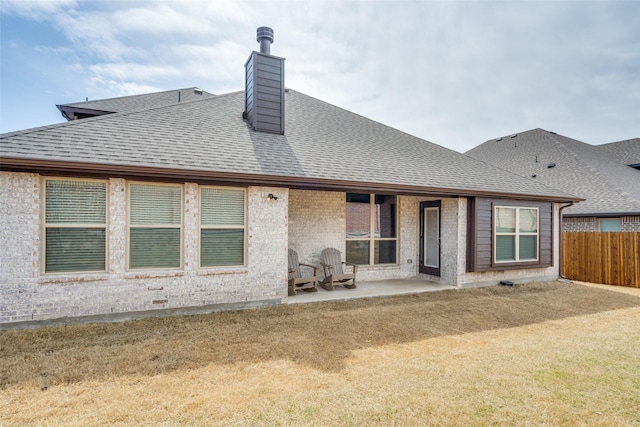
pixel 75 225
pixel 516 234
pixel 222 227
pixel 155 226
pixel 371 236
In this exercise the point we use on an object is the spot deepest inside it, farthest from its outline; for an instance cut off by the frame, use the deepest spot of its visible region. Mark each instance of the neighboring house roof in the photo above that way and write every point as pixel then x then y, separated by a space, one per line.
pixel 608 186
pixel 128 104
pixel 627 151
pixel 324 147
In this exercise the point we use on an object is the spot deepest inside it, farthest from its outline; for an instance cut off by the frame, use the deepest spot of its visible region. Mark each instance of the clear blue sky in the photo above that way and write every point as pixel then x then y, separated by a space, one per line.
pixel 455 73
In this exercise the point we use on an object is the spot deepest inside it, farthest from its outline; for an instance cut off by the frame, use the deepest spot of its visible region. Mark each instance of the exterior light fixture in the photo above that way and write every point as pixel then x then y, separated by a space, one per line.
pixel 271 197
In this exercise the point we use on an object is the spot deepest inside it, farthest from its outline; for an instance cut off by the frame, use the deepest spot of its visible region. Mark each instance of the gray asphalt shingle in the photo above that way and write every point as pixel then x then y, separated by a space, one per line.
pixel 627 151
pixel 128 104
pixel 581 169
pixel 321 142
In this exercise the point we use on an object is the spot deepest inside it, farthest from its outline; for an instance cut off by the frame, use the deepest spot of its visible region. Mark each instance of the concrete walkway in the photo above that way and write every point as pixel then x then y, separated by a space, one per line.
pixel 369 289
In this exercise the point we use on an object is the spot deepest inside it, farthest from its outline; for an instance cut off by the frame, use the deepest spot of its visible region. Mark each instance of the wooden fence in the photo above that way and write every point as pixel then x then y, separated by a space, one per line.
pixel 609 258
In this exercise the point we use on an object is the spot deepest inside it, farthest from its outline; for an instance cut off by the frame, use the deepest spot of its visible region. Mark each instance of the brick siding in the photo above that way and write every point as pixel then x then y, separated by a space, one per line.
pixel 306 221
pixel 26 294
pixel 627 223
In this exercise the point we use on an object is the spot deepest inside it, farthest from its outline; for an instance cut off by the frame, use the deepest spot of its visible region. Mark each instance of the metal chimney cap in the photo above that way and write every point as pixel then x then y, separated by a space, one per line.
pixel 265 33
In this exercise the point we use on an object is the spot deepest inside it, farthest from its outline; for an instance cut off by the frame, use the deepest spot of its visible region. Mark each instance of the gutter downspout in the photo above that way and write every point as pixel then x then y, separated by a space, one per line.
pixel 560 215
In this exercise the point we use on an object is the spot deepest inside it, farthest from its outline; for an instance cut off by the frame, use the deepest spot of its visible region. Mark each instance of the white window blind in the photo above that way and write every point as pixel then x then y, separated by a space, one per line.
pixel 155 204
pixel 222 207
pixel 76 202
pixel 75 225
pixel 155 226
pixel 222 223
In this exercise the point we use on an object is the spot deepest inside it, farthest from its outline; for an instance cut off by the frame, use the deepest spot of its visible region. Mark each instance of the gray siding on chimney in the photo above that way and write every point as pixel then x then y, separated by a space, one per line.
pixel 264 92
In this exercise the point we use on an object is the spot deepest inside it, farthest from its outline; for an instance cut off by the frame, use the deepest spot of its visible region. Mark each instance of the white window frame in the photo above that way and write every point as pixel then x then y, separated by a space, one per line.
pixel 372 227
pixel 219 227
pixel 159 225
pixel 517 233
pixel 45 225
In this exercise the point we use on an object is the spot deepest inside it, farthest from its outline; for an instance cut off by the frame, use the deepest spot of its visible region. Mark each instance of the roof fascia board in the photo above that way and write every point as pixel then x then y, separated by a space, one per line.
pixel 601 214
pixel 320 184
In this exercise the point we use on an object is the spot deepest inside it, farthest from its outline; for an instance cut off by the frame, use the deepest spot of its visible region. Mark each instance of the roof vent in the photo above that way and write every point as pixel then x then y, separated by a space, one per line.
pixel 499 139
pixel 551 165
pixel 197 91
pixel 514 135
pixel 265 38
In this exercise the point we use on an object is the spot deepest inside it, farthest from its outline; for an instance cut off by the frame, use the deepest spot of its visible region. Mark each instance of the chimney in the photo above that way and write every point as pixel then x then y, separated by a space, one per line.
pixel 264 87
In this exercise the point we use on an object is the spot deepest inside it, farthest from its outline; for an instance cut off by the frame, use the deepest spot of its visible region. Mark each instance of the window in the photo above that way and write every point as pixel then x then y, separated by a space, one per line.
pixel 516 234
pixel 75 225
pixel 371 229
pixel 155 226
pixel 610 224
pixel 222 225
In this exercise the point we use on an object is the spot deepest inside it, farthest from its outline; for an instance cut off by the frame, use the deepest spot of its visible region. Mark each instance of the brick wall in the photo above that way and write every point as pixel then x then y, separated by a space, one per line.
pixel 630 223
pixel 580 224
pixel 627 223
pixel 26 294
pixel 306 221
pixel 317 220
pixel 19 241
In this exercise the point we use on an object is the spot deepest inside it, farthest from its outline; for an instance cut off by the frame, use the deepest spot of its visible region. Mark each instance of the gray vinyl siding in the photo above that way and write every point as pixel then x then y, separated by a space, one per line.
pixel 264 102
pixel 480 235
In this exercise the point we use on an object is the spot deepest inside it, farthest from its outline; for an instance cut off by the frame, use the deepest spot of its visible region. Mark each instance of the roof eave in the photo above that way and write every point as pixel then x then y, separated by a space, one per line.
pixel 67 110
pixel 202 176
pixel 601 214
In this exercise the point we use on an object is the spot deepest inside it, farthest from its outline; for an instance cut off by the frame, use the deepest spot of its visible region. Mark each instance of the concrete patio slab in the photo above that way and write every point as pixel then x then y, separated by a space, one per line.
pixel 369 289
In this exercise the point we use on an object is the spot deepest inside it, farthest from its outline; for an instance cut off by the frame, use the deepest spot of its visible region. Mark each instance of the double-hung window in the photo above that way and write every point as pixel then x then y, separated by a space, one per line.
pixel 222 226
pixel 75 225
pixel 155 226
pixel 371 235
pixel 516 234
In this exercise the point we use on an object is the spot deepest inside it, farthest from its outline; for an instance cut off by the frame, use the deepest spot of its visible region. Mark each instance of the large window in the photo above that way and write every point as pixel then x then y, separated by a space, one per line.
pixel 610 224
pixel 155 226
pixel 516 234
pixel 222 225
pixel 75 225
pixel 371 229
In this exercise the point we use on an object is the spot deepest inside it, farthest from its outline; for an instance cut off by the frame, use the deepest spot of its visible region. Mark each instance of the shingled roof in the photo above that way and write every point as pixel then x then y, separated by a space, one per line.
pixel 609 187
pixel 627 151
pixel 128 104
pixel 207 140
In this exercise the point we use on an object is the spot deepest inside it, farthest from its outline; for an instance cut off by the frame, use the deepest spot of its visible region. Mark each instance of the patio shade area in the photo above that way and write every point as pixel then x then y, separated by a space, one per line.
pixel 370 289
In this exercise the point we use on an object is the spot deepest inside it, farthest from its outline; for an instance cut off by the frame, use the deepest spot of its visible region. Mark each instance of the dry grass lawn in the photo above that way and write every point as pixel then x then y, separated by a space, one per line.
pixel 538 354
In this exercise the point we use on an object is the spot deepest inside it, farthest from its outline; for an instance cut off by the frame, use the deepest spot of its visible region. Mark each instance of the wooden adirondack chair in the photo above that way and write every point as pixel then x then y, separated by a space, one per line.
pixel 334 273
pixel 296 279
